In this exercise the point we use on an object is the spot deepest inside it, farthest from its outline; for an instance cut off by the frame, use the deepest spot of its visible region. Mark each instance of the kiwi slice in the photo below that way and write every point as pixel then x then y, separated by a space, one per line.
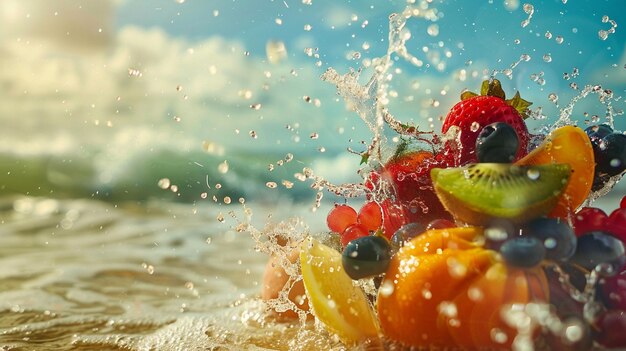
pixel 477 193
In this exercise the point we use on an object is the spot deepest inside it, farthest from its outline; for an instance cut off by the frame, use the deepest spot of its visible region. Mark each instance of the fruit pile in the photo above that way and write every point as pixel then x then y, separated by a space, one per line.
pixel 482 244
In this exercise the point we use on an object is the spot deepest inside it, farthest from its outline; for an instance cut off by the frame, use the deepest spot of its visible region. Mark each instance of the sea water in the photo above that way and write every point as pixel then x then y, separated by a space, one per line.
pixel 145 246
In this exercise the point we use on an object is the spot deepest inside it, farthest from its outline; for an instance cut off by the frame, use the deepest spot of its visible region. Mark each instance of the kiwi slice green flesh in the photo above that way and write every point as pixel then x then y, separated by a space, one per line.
pixel 477 193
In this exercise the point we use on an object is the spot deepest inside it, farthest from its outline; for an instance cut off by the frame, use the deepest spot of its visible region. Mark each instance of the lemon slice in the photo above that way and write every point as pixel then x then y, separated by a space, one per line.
pixel 340 305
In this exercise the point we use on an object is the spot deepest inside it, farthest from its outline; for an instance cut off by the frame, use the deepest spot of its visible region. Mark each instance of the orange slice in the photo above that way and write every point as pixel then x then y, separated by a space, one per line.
pixel 568 145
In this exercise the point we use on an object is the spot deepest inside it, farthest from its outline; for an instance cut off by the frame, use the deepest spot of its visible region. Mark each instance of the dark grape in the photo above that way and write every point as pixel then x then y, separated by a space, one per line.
pixel 557 237
pixel 613 291
pixel 366 257
pixel 497 142
pixel 589 219
pixel 596 133
pixel 498 231
pixel 406 233
pixel 597 248
pixel 523 251
pixel 611 159
pixel 612 326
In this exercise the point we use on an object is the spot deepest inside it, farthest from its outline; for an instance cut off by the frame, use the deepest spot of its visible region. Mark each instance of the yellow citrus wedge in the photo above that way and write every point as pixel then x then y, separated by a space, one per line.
pixel 340 305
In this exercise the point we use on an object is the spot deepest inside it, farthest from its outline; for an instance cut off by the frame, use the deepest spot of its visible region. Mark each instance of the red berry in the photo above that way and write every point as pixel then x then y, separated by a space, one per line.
pixel 414 194
pixel 440 224
pixel 612 326
pixel 614 291
pixel 472 114
pixel 622 203
pixel 370 216
pixel 589 219
pixel 616 224
pixel 340 217
pixel 352 232
pixel 393 217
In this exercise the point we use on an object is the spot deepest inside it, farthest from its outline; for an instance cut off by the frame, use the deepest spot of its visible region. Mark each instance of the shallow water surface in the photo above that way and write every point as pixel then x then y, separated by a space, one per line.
pixel 87 275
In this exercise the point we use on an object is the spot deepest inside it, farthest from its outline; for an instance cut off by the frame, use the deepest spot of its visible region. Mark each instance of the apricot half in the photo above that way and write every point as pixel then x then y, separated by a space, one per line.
pixel 444 291
pixel 569 145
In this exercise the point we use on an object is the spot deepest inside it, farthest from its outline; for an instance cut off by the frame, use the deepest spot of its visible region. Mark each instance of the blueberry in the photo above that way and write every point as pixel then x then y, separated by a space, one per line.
pixel 557 237
pixel 406 233
pixel 497 143
pixel 366 256
pixel 600 248
pixel 612 154
pixel 523 251
pixel 598 132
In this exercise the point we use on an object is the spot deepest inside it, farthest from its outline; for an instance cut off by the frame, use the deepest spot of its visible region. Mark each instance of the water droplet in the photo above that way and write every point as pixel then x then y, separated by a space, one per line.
pixel 227 200
pixel 314 136
pixel 433 30
pixel 525 57
pixel 253 134
pixel 528 8
pixel 475 126
pixel 255 106
pixel 278 21
pixel 164 183
pixel 275 51
pixel 308 27
pixel 271 185
pixel 223 167
pixel 559 39
pixel 533 174
pixel 603 34
pixel 547 58
pixel 553 97
pixel 387 288
pixel 548 35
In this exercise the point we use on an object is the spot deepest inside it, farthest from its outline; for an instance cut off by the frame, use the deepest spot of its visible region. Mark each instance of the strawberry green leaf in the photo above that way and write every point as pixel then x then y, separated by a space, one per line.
pixel 364 158
pixel 520 105
pixel 467 95
pixel 492 88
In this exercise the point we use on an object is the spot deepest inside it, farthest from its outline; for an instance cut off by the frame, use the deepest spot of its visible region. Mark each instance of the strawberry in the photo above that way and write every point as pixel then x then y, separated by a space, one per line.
pixel 474 112
pixel 414 198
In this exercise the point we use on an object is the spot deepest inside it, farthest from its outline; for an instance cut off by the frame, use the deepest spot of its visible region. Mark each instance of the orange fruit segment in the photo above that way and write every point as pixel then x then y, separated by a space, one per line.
pixel 340 305
pixel 428 270
pixel 444 291
pixel 570 145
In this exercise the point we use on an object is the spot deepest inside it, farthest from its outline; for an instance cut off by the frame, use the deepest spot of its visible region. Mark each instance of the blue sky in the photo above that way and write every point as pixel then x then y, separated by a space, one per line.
pixel 113 80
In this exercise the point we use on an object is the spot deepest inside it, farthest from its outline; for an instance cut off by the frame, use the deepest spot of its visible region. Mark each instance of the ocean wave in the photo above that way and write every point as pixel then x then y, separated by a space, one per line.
pixel 165 174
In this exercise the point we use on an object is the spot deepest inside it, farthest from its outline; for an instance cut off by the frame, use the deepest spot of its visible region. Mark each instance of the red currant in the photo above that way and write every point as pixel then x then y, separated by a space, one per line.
pixel 340 217
pixel 616 224
pixel 352 232
pixel 393 217
pixel 370 216
pixel 589 219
